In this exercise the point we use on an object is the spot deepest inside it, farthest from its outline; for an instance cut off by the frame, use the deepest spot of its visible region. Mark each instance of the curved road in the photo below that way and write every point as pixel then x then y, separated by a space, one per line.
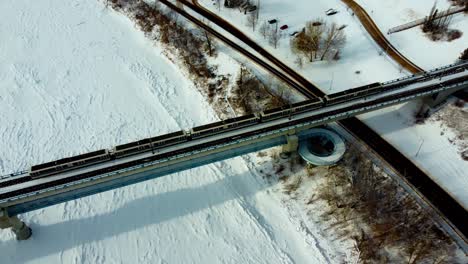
pixel 440 199
pixel 379 37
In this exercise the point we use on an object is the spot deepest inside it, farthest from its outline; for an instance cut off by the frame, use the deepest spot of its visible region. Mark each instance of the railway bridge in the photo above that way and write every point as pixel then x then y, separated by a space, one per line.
pixel 91 173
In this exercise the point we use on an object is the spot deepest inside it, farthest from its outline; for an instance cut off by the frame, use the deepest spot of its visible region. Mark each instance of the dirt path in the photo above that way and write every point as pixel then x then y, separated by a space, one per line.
pixel 379 37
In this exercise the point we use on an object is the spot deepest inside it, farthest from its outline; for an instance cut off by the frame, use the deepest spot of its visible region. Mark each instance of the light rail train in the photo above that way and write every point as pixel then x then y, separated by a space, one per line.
pixel 155 143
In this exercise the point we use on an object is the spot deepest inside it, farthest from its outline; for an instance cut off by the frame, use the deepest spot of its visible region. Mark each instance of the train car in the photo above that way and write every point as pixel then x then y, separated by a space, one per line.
pixel 67 160
pixel 352 94
pixel 308 105
pixel 39 171
pixel 228 124
pixel 426 76
pixel 295 108
pixel 275 113
pixel 169 139
pixel 148 144
pixel 133 144
pixel 135 149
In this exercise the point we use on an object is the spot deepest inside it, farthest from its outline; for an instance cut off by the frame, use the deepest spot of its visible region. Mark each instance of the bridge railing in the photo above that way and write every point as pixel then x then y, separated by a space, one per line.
pixel 12 175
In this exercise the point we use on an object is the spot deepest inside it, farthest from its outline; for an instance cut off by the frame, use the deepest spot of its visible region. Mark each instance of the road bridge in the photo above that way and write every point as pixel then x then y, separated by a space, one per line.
pixel 75 177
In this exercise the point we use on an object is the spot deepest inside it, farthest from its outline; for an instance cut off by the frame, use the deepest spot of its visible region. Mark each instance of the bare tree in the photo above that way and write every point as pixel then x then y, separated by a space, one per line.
pixel 334 40
pixel 436 22
pixel 257 11
pixel 208 41
pixel 252 19
pixel 318 39
pixel 274 35
pixel 264 29
pixel 309 41
pixel 299 62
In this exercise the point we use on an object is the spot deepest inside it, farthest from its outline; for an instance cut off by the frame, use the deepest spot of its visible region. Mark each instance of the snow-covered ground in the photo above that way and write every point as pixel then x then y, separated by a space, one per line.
pixel 413 43
pixel 359 54
pixel 76 77
pixel 439 151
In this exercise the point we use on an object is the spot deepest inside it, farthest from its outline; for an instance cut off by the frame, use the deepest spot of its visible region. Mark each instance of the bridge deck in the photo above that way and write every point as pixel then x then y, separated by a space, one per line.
pixel 26 191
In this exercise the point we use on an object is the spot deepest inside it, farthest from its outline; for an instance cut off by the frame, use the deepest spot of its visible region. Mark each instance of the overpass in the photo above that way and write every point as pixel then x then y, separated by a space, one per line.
pixel 75 177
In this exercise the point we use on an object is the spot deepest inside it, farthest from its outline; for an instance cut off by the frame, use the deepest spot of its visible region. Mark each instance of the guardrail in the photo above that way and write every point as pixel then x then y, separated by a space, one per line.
pixel 421 21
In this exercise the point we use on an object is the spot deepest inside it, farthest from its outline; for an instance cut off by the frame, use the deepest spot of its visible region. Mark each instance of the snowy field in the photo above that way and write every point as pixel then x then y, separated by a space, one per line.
pixel 439 151
pixel 359 54
pixel 77 77
pixel 413 43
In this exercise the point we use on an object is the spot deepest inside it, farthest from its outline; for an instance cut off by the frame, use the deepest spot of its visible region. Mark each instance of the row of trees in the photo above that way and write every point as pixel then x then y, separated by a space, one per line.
pixel 380 216
pixel 271 33
pixel 319 41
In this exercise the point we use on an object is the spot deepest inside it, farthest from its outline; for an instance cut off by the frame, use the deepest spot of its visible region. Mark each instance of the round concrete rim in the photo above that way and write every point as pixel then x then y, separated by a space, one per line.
pixel 336 156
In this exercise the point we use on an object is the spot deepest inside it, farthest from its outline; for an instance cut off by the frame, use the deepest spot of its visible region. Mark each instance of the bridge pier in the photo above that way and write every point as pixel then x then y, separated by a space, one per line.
pixel 290 147
pixel 21 230
pixel 437 98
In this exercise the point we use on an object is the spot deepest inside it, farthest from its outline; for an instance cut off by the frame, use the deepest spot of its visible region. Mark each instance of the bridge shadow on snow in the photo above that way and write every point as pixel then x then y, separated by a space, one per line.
pixel 387 121
pixel 135 214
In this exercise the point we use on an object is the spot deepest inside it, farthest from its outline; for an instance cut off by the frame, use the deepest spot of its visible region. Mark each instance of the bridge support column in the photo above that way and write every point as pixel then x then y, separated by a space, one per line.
pixel 437 98
pixel 290 147
pixel 21 230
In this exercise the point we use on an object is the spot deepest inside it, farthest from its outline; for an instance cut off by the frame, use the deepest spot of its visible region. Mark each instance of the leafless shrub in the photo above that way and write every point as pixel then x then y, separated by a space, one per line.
pixel 436 26
pixel 464 55
pixel 454 34
pixel 251 95
pixel 383 216
pixel 274 36
pixel 318 40
pixel 252 17
pixel 293 185
pixel 460 103
pixel 299 62
pixel 270 32
pixel 464 155
pixel 264 29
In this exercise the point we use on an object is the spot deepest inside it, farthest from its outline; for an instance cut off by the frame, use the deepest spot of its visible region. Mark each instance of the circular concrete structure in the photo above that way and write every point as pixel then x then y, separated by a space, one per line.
pixel 323 147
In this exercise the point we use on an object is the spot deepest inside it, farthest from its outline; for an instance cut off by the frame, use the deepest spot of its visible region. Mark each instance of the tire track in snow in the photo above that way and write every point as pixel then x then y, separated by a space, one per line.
pixel 256 218
pixel 296 219
pixel 162 88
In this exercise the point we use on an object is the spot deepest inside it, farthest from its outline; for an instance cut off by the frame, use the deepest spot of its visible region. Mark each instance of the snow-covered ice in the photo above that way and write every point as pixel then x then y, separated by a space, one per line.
pixel 76 77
